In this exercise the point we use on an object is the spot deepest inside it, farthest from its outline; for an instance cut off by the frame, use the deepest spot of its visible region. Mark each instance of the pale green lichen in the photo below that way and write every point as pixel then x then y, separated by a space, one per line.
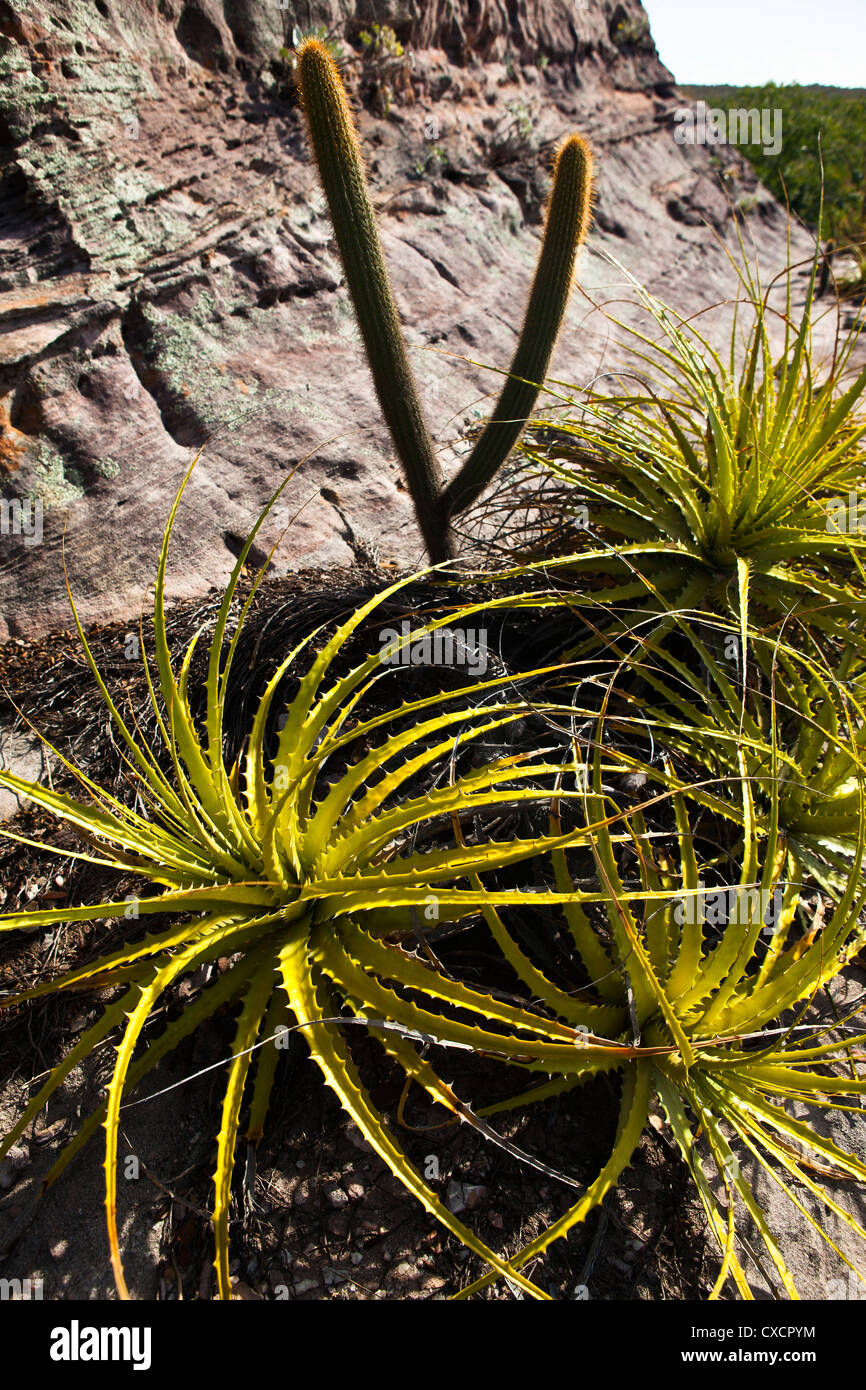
pixel 196 354
pixel 54 481
pixel 345 320
pixel 107 467
pixel 80 18
pixel 24 90
pixel 100 100
pixel 133 185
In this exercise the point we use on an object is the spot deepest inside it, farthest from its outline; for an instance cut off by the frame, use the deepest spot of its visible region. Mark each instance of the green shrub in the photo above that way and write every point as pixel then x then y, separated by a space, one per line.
pixel 819 169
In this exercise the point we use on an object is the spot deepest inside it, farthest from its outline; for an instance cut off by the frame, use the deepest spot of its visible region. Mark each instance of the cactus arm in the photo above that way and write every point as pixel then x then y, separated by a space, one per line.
pixel 338 157
pixel 568 217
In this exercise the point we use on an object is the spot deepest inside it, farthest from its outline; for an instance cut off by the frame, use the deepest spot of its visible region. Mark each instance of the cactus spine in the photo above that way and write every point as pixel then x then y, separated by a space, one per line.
pixel 338 157
pixel 341 169
pixel 567 223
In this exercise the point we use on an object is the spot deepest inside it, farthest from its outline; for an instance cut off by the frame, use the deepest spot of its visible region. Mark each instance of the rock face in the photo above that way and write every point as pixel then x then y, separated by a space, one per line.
pixel 168 281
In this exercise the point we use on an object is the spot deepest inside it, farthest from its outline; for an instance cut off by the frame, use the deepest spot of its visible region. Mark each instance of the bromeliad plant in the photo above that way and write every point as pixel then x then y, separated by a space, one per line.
pixel 720 484
pixel 338 157
pixel 716 1001
pixel 734 703
pixel 704 1002
pixel 301 871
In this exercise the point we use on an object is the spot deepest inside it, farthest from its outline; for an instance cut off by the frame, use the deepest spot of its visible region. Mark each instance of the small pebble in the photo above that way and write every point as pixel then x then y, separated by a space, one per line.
pixel 473 1195
pixel 454 1198
pixel 464 1196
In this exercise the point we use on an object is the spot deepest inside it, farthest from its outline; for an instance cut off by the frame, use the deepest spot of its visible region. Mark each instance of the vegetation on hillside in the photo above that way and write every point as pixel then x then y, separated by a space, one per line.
pixel 824 129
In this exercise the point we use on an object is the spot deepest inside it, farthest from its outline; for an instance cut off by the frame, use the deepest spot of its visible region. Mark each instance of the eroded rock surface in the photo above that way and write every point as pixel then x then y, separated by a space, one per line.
pixel 168 280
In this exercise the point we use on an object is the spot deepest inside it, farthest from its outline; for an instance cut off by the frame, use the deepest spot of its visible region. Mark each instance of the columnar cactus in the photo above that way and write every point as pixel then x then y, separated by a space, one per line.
pixel 338 157
pixel 341 169
pixel 567 223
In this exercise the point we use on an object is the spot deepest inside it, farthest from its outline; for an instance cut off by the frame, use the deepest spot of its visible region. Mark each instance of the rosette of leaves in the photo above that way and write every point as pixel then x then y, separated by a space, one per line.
pixel 716 1001
pixel 734 703
pixel 730 482
pixel 301 871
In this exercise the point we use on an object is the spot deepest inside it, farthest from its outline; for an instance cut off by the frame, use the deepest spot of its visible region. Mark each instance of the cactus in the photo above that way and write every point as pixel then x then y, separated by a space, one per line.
pixel 338 157
pixel 568 216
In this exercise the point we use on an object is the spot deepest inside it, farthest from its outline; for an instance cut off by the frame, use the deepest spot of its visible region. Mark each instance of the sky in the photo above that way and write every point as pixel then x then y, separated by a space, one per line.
pixel 750 42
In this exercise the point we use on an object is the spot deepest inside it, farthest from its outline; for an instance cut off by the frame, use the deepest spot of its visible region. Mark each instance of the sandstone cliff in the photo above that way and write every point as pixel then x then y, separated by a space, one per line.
pixel 167 278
